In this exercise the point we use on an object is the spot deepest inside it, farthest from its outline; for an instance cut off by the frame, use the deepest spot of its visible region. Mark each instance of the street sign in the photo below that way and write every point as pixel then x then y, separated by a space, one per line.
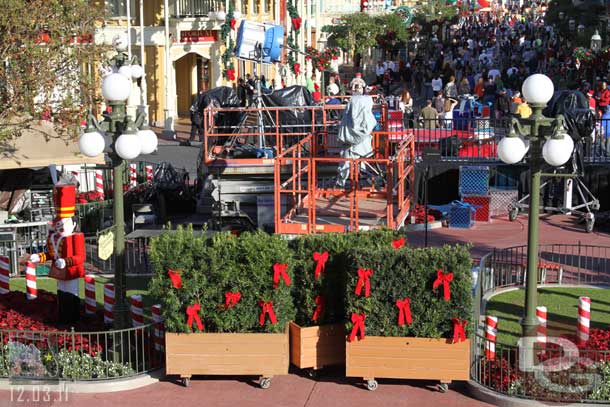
pixel 405 13
pixel 336 20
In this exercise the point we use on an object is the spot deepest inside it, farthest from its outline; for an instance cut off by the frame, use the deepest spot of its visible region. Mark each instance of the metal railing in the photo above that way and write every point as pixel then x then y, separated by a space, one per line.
pixel 559 264
pixel 196 8
pixel 70 355
pixel 136 257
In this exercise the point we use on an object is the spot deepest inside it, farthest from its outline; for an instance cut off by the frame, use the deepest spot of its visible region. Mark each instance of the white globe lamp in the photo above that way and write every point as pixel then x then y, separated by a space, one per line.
pixel 148 141
pixel 557 152
pixel 116 87
pixel 137 71
pixel 511 150
pixel 128 146
pixel 538 89
pixel 91 143
pixel 125 70
pixel 221 15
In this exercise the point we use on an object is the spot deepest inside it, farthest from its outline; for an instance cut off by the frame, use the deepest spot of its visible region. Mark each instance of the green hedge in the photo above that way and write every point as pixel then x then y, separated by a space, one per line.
pixel 409 272
pixel 213 266
pixel 331 284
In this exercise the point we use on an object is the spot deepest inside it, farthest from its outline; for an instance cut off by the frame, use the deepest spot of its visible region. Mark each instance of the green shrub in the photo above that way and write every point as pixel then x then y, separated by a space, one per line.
pixel 331 284
pixel 214 266
pixel 409 272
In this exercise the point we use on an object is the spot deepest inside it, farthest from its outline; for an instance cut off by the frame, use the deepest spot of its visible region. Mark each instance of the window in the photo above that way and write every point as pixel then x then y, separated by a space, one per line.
pixel 244 7
pixel 267 6
pixel 118 8
pixel 256 7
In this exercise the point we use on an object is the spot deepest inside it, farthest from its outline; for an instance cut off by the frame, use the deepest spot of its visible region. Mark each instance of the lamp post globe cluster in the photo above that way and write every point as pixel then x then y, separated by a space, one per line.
pixel 527 137
pixel 130 138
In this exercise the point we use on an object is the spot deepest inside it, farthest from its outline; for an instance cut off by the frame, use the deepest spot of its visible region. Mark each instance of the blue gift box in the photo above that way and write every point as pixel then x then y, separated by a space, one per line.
pixel 461 215
pixel 474 180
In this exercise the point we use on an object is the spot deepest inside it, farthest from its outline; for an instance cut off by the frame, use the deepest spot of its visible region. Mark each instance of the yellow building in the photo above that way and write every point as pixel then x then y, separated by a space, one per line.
pixel 193 59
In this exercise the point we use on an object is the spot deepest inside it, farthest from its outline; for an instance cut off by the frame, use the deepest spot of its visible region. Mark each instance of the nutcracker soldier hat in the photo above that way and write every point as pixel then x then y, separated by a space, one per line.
pixel 64 199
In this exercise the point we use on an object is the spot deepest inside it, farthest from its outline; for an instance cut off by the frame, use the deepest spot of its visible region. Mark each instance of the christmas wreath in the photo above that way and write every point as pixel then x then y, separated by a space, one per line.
pixel 321 60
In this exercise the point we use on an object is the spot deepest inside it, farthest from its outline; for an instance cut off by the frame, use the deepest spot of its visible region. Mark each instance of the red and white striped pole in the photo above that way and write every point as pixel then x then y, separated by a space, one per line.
pixel 584 320
pixel 541 332
pixel 149 173
pixel 133 175
pixel 90 302
pixel 99 183
pixel 108 303
pixel 158 330
pixel 137 312
pixel 30 281
pixel 4 275
pixel 491 332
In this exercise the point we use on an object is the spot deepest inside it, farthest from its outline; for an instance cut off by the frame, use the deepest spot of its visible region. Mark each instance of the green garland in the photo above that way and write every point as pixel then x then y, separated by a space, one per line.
pixel 321 60
pixel 227 57
pixel 292 37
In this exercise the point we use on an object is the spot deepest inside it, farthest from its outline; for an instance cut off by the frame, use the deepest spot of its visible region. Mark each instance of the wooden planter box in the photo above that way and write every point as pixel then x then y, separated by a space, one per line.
pixel 317 346
pixel 407 358
pixel 259 354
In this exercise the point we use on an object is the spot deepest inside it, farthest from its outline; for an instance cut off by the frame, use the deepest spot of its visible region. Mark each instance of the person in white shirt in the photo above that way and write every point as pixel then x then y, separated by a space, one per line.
pixel 392 66
pixel 379 71
pixel 437 84
pixel 493 73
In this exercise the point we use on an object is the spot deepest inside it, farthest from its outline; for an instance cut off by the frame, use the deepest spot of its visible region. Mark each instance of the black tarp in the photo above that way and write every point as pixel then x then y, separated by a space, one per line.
pixel 574 106
pixel 292 96
pixel 221 97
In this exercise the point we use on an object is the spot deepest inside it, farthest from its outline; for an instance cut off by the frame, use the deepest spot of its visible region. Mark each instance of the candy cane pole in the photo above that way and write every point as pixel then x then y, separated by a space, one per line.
pixel 149 173
pixel 4 275
pixel 133 175
pixel 491 331
pixel 108 303
pixel 90 302
pixel 541 336
pixel 99 183
pixel 158 331
pixel 30 281
pixel 584 320
pixel 137 313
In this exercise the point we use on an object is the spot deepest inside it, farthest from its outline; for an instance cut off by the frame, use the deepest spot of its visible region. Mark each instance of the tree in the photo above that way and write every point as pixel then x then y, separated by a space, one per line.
pixel 44 45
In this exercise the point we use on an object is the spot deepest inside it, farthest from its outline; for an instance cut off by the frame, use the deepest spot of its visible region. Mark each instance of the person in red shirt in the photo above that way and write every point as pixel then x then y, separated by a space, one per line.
pixel 592 102
pixel 603 97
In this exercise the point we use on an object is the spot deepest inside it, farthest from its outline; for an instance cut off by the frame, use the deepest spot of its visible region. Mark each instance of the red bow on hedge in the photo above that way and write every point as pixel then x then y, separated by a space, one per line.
pixel 321 259
pixel 358 321
pixel 192 311
pixel 404 311
pixel 279 270
pixel 296 68
pixel 319 308
pixel 444 279
pixel 232 23
pixel 266 308
pixel 397 244
pixel 175 277
pixel 459 334
pixel 363 280
pixel 231 299
pixel 296 23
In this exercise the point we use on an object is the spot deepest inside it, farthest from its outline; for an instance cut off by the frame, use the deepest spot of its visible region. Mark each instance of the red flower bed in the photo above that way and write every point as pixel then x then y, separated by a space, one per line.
pixel 498 374
pixel 19 313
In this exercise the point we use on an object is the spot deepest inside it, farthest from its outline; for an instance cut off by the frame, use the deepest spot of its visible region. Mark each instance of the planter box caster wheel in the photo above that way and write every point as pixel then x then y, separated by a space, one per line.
pixel 265 382
pixel 513 213
pixel 589 223
pixel 371 385
pixel 313 373
pixel 186 381
pixel 443 387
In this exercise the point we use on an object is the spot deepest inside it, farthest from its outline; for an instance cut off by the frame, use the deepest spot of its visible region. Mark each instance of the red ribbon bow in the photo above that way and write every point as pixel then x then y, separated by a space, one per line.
pixel 230 74
pixel 397 244
pixel 192 311
pixel 404 311
pixel 175 277
pixel 279 270
pixel 358 321
pixel 296 68
pixel 232 23
pixel 321 259
pixel 231 299
pixel 363 280
pixel 320 307
pixel 459 334
pixel 296 23
pixel 266 308
pixel 444 279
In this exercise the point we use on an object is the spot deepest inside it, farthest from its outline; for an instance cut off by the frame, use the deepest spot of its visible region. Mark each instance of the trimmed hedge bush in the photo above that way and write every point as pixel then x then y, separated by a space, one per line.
pixel 409 272
pixel 214 266
pixel 331 283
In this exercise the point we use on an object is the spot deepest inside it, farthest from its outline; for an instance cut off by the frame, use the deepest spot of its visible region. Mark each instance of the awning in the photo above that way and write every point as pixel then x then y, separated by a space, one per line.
pixel 40 146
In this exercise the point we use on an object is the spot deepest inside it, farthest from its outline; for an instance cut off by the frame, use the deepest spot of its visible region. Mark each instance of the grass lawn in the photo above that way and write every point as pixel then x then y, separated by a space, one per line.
pixel 135 285
pixel 562 310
